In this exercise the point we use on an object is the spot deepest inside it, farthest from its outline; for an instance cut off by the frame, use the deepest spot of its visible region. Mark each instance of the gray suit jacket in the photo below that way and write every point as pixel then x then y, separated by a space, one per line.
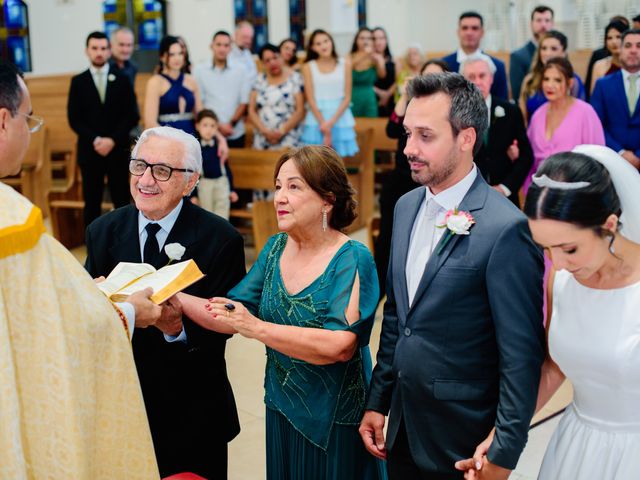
pixel 519 66
pixel 467 354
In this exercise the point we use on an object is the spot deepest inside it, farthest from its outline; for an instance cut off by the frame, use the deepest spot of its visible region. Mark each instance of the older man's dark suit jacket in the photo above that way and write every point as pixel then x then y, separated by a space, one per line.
pixel 467 354
pixel 492 159
pixel 187 393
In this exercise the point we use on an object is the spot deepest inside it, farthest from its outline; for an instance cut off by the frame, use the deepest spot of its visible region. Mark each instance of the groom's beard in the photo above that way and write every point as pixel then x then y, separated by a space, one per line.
pixel 431 175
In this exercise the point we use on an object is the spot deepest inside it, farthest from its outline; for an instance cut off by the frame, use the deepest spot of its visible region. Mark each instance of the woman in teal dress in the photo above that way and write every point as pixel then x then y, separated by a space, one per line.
pixel 310 298
pixel 367 66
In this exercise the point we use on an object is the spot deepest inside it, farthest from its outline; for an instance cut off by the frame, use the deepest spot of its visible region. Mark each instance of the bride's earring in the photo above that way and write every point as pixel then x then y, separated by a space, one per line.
pixel 325 225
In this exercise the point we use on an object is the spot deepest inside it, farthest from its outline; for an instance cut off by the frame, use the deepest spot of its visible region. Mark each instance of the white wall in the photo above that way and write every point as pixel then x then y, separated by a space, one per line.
pixel 58 31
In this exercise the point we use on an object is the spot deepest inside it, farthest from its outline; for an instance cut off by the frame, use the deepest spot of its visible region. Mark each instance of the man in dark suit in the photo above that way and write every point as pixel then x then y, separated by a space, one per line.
pixel 462 340
pixel 520 59
pixel 470 33
pixel 505 157
pixel 191 409
pixel 102 110
pixel 615 100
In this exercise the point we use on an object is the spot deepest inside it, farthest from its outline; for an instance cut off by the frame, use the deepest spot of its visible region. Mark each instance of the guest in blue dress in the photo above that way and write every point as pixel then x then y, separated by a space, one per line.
pixel 552 44
pixel 311 299
pixel 327 89
pixel 172 96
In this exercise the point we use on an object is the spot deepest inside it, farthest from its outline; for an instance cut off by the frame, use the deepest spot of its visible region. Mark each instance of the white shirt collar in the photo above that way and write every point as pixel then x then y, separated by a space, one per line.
pixel 461 56
pixel 95 70
pixel 625 76
pixel 166 223
pixel 453 196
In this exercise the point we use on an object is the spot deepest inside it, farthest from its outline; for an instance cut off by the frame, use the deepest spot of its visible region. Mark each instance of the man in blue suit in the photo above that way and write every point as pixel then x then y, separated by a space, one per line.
pixel 520 59
pixel 615 99
pixel 462 340
pixel 470 32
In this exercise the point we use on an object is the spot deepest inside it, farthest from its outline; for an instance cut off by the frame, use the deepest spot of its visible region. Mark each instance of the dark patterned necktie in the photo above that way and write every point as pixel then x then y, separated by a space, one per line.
pixel 151 249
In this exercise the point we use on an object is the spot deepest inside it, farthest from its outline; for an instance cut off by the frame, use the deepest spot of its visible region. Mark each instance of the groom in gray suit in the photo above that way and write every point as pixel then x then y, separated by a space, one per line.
pixel 462 340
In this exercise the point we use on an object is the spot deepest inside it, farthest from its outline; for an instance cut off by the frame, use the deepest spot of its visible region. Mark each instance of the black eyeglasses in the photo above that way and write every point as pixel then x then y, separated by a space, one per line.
pixel 159 171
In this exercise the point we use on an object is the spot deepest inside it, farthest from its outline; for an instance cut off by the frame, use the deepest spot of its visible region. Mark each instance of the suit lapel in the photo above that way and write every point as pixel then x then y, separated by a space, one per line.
pixel 472 201
pixel 126 247
pixel 184 231
pixel 401 248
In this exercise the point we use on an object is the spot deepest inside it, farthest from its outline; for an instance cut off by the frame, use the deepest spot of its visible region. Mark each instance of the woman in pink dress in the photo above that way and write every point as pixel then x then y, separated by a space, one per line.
pixel 564 121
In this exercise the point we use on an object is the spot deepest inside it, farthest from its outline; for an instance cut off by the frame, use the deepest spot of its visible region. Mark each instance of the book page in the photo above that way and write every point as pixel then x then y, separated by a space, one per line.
pixel 124 274
pixel 165 282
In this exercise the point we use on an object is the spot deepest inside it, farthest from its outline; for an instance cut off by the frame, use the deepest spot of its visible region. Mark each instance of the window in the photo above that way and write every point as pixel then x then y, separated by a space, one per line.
pixel 362 13
pixel 14 33
pixel 147 18
pixel 254 12
pixel 297 21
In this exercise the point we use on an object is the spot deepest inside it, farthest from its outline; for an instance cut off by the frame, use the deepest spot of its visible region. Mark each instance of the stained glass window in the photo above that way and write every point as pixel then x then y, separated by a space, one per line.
pixel 254 12
pixel 297 20
pixel 14 33
pixel 362 13
pixel 147 19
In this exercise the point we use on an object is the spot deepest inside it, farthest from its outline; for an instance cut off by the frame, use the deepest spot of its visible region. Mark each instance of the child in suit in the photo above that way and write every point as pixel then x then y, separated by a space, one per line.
pixel 215 190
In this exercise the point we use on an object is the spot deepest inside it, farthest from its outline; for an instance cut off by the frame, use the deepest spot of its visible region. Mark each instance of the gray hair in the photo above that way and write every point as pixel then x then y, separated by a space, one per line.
pixel 468 109
pixel 192 151
pixel 479 57
pixel 120 29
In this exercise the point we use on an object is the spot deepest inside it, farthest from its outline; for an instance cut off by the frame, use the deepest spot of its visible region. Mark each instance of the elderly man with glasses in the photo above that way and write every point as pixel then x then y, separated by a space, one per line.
pixel 192 413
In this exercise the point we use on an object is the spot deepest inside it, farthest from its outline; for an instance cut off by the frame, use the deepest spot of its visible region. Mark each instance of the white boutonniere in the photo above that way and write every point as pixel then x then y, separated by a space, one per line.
pixel 457 222
pixel 111 77
pixel 499 112
pixel 174 251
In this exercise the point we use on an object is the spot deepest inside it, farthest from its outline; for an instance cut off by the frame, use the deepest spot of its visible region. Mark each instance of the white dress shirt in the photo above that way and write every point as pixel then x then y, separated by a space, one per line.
pixel 425 235
pixel 97 72
pixel 166 224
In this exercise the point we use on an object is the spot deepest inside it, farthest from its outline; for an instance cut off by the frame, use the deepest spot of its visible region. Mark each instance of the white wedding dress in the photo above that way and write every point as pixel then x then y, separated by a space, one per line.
pixel 594 338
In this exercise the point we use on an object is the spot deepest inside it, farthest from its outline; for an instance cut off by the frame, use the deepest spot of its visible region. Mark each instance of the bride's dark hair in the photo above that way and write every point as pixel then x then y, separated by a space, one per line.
pixel 586 207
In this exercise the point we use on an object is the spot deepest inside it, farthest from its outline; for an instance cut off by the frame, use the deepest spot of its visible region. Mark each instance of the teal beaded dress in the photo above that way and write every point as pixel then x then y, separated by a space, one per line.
pixel 313 411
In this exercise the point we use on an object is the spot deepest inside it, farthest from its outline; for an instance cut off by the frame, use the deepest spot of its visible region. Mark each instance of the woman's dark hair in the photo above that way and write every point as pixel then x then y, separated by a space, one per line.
pixel 268 47
pixel 586 207
pixel 563 65
pixel 387 51
pixel 614 25
pixel 311 55
pixel 294 59
pixel 323 170
pixel 165 44
pixel 436 61
pixel 537 68
pixel 354 45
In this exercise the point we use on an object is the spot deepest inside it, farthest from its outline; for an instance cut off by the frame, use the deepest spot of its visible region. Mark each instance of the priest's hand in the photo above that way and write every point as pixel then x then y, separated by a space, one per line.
pixel 147 312
pixel 170 321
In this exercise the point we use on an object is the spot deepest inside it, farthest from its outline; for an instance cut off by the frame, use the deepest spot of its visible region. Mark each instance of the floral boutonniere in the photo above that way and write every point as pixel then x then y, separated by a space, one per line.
pixel 499 112
pixel 174 251
pixel 111 77
pixel 457 222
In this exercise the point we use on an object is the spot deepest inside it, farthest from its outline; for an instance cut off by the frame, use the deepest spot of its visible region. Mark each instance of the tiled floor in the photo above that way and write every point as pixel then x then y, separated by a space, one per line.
pixel 246 361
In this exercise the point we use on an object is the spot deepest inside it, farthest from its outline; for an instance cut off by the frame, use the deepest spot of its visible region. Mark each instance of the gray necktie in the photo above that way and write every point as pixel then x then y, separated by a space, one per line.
pixel 101 85
pixel 632 96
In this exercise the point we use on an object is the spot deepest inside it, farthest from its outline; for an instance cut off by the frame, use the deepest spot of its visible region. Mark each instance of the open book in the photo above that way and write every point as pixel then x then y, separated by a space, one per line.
pixel 128 278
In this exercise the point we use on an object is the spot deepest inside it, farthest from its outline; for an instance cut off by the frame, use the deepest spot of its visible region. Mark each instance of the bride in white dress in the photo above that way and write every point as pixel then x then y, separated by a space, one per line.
pixel 584 209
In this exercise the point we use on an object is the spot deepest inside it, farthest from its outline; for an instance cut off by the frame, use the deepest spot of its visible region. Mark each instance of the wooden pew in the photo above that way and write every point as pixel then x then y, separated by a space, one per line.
pixel 253 170
pixel 34 180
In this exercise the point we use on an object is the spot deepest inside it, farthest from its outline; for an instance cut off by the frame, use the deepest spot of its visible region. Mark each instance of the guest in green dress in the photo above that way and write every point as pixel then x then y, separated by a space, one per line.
pixel 310 298
pixel 367 66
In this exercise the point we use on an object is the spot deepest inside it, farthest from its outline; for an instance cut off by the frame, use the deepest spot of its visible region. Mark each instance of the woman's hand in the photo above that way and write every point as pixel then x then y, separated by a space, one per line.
pixel 238 317
pixel 471 466
pixel 513 152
